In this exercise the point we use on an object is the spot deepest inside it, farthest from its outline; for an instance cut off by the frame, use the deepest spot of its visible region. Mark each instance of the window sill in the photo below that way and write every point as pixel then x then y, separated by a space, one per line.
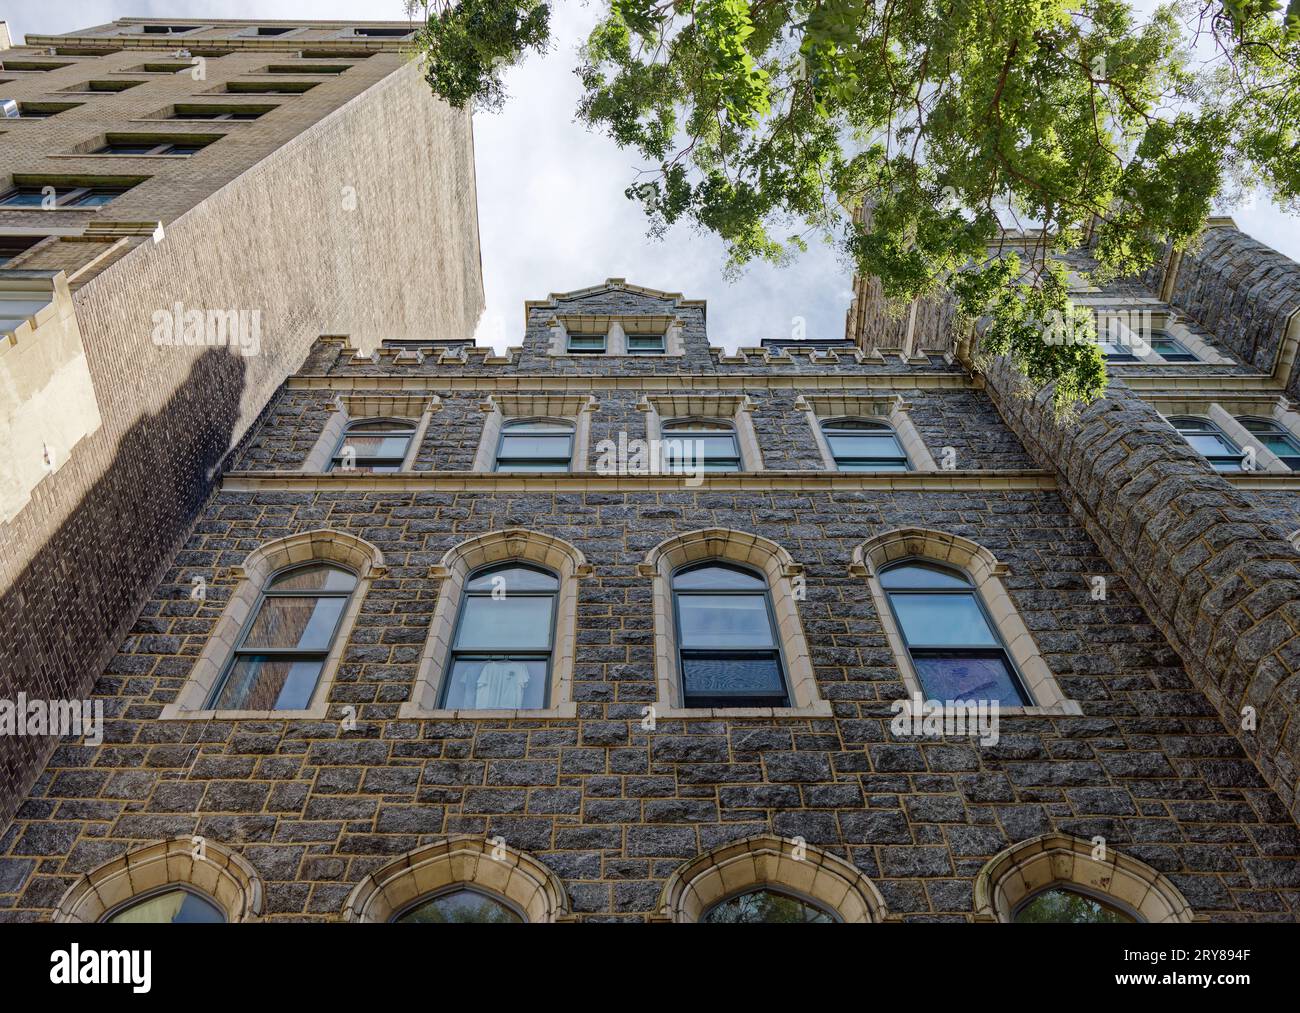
pixel 1065 708
pixel 46 211
pixel 174 712
pixel 108 154
pixel 415 711
pixel 817 709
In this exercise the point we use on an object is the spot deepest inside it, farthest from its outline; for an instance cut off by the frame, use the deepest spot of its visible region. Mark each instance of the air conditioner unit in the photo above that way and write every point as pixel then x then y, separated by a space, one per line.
pixel 9 107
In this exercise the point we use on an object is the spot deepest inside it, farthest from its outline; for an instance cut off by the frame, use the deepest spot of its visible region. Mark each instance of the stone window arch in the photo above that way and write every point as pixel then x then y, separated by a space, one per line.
pixel 1025 870
pixel 785 584
pixel 767 862
pixel 984 572
pixel 514 878
pixel 200 866
pixel 516 545
pixel 349 552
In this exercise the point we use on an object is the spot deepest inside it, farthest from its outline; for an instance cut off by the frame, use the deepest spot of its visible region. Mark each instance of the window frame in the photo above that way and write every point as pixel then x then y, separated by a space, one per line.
pixel 71 199
pixel 718 422
pixel 454 653
pixel 410 426
pixel 238 650
pixel 780 890
pixel 777 649
pixel 1065 886
pixel 660 349
pixel 587 336
pixel 1184 354
pixel 1212 428
pixel 145 896
pixel 451 888
pixel 881 425
pixel 1018 681
pixel 508 423
pixel 1277 430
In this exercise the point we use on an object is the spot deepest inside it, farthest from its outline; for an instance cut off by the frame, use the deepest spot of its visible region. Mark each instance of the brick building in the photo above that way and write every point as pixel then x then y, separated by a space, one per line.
pixel 684 705
pixel 616 625
pixel 255 177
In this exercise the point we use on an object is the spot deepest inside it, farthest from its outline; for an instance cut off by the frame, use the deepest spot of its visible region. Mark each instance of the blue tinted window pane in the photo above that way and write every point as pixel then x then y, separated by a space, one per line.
pixel 538 426
pixel 717 578
pixel 864 446
pixel 505 624
pixel 734 676
pixel 305 623
pixel 496 684
pixel 510 579
pixel 951 676
pixel 939 620
pixel 262 683
pixel 94 199
pixel 921 575
pixel 1210 444
pixel 890 465
pixel 730 620
pixel 460 907
pixel 24 199
pixel 854 425
pixel 170 907
pixel 528 447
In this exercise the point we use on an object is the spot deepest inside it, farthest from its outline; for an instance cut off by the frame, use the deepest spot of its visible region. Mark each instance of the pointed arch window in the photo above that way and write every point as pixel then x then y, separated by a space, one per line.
pixel 535 445
pixel 505 636
pixel 278 658
pixel 729 654
pixel 1058 905
pixel 1209 441
pixel 169 906
pixel 954 646
pixel 766 906
pixel 864 445
pixel 460 905
pixel 709 444
pixel 373 445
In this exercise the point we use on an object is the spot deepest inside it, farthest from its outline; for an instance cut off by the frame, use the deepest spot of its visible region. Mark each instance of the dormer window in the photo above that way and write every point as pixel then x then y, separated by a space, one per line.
pixel 587 344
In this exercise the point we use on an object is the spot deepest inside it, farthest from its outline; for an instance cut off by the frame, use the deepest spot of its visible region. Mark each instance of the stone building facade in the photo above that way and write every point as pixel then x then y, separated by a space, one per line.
pixel 631 790
pixel 259 175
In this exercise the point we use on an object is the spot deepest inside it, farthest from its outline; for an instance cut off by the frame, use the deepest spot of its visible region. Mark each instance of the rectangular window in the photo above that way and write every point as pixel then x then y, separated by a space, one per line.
pixel 215 112
pixel 127 144
pixel 269 88
pixel 586 344
pixel 308 68
pixel 108 86
pixel 30 65
pixel 383 33
pixel 43 110
pixel 13 246
pixel 49 197
pixel 1170 349
pixel 645 344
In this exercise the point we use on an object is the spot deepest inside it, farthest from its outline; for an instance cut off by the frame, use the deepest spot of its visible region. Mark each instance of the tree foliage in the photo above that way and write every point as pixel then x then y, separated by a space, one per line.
pixel 770 121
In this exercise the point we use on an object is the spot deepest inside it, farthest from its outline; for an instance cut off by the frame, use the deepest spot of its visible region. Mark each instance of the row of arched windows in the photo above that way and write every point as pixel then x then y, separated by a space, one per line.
pixel 761 879
pixel 547 444
pixel 732 637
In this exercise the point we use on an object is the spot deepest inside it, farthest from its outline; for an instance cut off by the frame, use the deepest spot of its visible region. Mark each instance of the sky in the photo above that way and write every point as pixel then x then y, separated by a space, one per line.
pixel 552 213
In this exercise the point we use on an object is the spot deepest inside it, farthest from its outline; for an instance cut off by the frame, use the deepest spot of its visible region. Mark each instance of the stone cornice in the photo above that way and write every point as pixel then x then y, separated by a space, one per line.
pixel 650 383
pixel 785 481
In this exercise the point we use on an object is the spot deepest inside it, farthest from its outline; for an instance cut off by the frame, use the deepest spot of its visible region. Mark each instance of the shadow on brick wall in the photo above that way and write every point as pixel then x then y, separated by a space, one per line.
pixel 69 609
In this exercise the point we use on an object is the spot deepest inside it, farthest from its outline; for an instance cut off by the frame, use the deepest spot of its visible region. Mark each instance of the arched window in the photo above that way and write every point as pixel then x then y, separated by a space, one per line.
pixel 372 445
pixel 766 906
pixel 1275 437
pixel 1169 348
pixel 1061 878
pixel 728 651
pixel 505 632
pixel 864 445
pixel 535 445
pixel 459 905
pixel 955 650
pixel 1209 441
pixel 699 444
pixel 460 879
pixel 277 660
pixel 1059 905
pixel 170 905
pixel 769 879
